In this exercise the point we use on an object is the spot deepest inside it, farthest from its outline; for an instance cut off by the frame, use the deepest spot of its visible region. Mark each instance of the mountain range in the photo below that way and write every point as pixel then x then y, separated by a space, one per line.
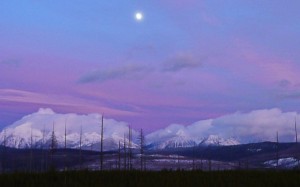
pixel 37 129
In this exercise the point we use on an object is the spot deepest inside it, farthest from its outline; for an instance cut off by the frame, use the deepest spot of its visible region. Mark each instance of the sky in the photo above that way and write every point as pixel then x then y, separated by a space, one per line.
pixel 187 60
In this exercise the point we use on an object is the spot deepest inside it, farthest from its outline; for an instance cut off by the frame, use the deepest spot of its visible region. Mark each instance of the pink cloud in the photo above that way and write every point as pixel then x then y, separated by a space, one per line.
pixel 268 68
pixel 248 63
pixel 70 102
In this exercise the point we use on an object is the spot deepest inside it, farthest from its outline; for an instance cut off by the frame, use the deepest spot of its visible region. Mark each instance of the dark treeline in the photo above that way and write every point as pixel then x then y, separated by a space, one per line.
pixel 147 178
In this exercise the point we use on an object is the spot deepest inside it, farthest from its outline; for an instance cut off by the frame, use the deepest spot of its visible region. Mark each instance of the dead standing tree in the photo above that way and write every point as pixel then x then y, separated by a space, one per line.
pixel 142 149
pixel 53 147
pixel 296 132
pixel 277 151
pixel 44 153
pixel 125 154
pixel 129 149
pixel 80 149
pixel 101 145
pixel 296 141
pixel 3 156
pixel 119 156
pixel 65 148
pixel 193 163
pixel 31 154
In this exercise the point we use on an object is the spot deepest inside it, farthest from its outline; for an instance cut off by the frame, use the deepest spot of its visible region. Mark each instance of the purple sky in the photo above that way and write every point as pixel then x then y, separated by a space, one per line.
pixel 187 60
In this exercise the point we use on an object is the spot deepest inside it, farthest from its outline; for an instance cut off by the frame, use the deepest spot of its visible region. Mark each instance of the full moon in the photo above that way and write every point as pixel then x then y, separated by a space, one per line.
pixel 139 16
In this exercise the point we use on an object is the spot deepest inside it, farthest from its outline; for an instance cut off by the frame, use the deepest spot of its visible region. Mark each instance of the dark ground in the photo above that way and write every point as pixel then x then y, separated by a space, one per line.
pixel 153 179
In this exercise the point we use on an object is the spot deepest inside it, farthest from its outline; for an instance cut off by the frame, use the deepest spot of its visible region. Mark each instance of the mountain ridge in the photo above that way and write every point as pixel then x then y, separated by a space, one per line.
pixel 35 130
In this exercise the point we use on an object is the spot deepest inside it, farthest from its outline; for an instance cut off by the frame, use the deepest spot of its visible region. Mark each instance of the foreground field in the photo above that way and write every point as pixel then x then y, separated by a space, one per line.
pixel 153 179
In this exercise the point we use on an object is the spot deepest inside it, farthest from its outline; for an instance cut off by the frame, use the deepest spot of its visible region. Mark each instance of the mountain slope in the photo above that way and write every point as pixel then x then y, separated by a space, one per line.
pixel 35 130
pixel 175 136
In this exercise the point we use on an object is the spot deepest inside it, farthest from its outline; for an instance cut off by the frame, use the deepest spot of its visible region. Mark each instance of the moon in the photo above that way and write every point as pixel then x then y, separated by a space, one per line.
pixel 139 16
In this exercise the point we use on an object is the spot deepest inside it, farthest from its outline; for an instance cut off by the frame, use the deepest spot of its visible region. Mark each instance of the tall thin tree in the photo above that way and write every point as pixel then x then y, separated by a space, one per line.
pixel 80 148
pixel 194 147
pixel 142 146
pixel 53 146
pixel 43 137
pixel 129 148
pixel 101 146
pixel 178 162
pixel 296 136
pixel 65 155
pixel 119 156
pixel 125 154
pixel 277 150
pixel 43 164
pixel 65 147
pixel 3 159
pixel 53 139
pixel 296 132
pixel 31 154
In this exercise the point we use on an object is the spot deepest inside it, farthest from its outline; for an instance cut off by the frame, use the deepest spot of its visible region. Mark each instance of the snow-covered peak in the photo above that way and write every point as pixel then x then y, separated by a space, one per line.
pixel 37 129
pixel 45 111
pixel 216 140
pixel 179 136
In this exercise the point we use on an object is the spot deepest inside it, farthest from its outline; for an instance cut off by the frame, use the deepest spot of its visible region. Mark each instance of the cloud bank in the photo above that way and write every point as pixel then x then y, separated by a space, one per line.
pixel 41 123
pixel 254 126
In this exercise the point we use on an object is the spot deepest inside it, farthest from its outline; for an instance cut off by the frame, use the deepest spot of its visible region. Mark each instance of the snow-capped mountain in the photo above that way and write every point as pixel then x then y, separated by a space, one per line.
pixel 178 136
pixel 216 140
pixel 36 130
pixel 183 142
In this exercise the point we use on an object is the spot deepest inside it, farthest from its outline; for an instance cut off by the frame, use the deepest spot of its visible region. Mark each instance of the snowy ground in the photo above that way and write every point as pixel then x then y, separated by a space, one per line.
pixel 288 163
pixel 161 162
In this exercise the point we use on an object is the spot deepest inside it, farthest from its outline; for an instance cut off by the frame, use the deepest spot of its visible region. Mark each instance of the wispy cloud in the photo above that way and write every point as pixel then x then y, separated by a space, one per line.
pixel 111 74
pixel 290 95
pixel 10 62
pixel 181 61
pixel 284 83
pixel 58 101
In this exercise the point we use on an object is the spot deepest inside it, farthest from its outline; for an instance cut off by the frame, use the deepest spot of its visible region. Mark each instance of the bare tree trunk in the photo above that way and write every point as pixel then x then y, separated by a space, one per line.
pixel 43 162
pixel 53 147
pixel 80 152
pixel 3 159
pixel 101 146
pixel 296 132
pixel 30 156
pixel 296 136
pixel 119 156
pixel 130 150
pixel 65 148
pixel 178 162
pixel 42 150
pixel 125 154
pixel 194 156
pixel 277 151
pixel 142 149
pixel 65 155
